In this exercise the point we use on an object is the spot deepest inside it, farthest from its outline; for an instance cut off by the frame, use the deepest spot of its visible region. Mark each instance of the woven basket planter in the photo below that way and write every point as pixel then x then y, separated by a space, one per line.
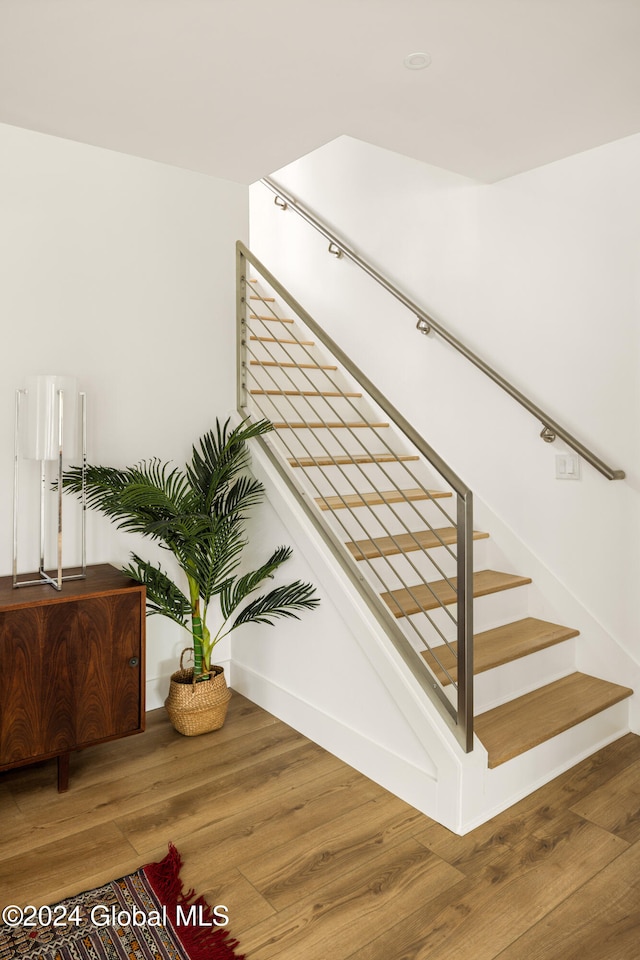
pixel 196 708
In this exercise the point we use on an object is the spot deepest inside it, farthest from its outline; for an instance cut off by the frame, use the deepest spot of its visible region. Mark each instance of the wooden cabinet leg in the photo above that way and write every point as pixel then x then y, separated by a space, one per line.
pixel 63 772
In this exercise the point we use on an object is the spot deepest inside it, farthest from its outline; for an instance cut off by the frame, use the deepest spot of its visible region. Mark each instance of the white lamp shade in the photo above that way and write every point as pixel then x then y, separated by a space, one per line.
pixel 42 440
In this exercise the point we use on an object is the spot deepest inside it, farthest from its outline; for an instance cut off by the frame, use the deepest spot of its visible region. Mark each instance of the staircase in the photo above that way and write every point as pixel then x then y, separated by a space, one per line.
pixel 388 509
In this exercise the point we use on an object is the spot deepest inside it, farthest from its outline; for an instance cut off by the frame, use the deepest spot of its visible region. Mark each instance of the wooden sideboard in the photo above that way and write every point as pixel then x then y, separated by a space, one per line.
pixel 71 667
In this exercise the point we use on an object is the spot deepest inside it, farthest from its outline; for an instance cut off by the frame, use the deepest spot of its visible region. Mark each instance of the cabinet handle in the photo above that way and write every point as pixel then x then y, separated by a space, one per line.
pixel 134 661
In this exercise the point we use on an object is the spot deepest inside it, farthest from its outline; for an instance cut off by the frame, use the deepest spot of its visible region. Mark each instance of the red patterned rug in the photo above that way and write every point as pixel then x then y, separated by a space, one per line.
pixel 144 916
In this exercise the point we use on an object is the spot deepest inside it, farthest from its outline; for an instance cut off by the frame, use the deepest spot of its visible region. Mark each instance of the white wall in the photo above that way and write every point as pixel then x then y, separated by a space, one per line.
pixel 119 271
pixel 539 275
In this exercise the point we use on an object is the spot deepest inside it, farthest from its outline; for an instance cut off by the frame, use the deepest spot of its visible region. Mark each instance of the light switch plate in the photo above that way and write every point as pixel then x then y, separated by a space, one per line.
pixel 567 466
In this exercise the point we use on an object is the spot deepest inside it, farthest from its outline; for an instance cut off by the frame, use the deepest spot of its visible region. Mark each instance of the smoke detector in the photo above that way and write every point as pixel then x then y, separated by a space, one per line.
pixel 417 61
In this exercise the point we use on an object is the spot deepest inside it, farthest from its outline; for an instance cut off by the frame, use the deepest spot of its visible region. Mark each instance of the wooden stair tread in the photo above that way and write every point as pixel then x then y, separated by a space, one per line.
pixel 300 343
pixel 512 728
pixel 406 542
pixel 312 425
pixel 257 296
pixel 254 316
pixel 287 363
pixel 307 393
pixel 375 499
pixel 491 648
pixel 441 592
pixel 367 458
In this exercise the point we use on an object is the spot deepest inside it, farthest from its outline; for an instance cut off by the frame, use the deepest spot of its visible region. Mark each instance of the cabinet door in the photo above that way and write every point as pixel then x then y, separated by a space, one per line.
pixel 71 674
pixel 37 714
pixel 107 666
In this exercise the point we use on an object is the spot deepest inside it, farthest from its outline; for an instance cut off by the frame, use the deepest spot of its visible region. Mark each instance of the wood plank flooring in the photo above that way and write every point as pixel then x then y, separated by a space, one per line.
pixel 313 859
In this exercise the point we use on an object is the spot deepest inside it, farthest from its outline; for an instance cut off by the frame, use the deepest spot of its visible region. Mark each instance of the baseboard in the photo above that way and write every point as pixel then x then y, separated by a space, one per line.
pixel 416 786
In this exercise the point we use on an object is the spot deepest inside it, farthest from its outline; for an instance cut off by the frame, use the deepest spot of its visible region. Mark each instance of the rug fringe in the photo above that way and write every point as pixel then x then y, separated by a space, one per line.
pixel 201 942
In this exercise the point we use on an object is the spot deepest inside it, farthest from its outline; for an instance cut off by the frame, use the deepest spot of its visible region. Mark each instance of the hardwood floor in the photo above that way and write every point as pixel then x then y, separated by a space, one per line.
pixel 313 859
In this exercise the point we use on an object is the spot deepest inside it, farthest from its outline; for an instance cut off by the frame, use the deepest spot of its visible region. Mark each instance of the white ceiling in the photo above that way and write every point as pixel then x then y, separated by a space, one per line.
pixel 239 88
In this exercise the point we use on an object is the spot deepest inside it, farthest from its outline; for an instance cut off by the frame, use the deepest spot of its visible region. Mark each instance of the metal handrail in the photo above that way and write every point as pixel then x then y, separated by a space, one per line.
pixel 463 711
pixel 551 429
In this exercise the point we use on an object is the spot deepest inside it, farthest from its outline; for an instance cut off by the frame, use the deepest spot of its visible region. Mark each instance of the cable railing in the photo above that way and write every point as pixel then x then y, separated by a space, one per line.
pixel 342 464
pixel 551 429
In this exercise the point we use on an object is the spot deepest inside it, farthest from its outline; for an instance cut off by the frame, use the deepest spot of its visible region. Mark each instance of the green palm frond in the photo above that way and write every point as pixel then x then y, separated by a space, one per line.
pixel 136 497
pixel 156 473
pixel 104 485
pixel 163 596
pixel 214 561
pixel 280 602
pixel 221 455
pixel 239 590
pixel 244 493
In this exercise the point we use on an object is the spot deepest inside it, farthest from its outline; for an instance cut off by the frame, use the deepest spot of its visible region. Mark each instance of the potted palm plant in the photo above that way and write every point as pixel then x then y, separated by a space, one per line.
pixel 199 514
